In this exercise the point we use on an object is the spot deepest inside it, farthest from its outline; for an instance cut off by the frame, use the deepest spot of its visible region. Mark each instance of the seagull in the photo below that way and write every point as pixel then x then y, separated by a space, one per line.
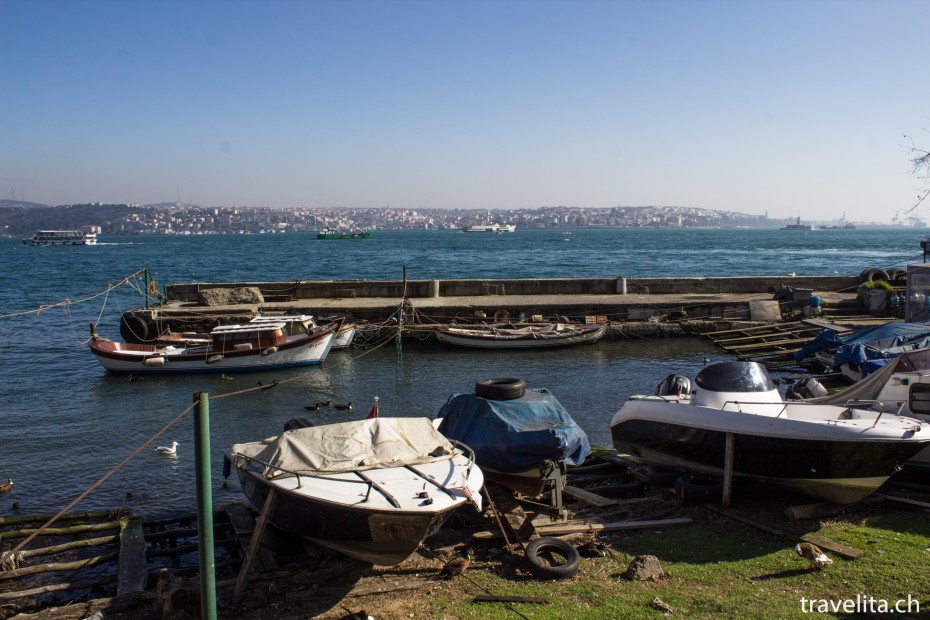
pixel 169 451
pixel 456 566
pixel 812 554
pixel 6 487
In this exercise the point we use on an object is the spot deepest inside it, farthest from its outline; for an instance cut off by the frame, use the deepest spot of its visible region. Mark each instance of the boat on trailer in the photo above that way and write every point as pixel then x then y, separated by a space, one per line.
pixel 371 489
pixel 839 453
pixel 251 346
pixel 521 336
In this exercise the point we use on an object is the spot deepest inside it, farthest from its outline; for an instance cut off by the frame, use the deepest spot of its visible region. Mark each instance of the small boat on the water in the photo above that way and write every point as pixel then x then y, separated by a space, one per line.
pixel 514 432
pixel 840 453
pixel 371 489
pixel 294 324
pixel 61 237
pixel 522 335
pixel 332 233
pixel 252 346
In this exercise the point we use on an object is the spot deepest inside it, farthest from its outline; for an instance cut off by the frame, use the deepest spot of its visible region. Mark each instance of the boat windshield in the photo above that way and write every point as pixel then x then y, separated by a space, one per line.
pixel 735 377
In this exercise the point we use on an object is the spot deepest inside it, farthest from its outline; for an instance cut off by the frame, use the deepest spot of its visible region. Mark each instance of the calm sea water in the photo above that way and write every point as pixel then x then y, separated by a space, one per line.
pixel 65 422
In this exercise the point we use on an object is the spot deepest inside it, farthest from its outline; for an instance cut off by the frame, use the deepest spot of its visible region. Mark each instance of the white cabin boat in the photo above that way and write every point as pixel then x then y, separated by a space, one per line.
pixel 61 237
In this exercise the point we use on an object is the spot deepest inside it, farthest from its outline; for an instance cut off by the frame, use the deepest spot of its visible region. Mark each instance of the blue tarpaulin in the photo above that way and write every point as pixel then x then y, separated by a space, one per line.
pixel 514 435
pixel 875 343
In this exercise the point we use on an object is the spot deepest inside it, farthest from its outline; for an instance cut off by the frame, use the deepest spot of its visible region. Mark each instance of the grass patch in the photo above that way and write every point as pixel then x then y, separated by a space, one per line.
pixel 717 569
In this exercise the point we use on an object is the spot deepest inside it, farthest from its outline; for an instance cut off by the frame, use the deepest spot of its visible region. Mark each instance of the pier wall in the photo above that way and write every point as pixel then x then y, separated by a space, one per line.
pixel 347 289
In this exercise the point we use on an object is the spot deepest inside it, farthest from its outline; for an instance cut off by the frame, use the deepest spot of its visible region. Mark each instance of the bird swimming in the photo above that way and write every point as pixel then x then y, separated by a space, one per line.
pixel 812 554
pixel 168 450
pixel 6 487
pixel 346 407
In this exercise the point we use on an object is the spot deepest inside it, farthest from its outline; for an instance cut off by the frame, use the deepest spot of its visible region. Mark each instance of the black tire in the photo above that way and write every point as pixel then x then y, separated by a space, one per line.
pixel 695 488
pixel 872 275
pixel 134 328
pixel 500 389
pixel 663 475
pixel 622 490
pixel 897 274
pixel 540 550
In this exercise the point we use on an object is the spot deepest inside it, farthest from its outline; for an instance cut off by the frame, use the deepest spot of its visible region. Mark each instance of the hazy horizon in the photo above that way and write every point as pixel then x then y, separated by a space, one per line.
pixel 797 109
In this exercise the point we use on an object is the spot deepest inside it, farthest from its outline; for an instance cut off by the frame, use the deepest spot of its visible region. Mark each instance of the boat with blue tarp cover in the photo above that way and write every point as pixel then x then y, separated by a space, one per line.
pixel 860 353
pixel 511 437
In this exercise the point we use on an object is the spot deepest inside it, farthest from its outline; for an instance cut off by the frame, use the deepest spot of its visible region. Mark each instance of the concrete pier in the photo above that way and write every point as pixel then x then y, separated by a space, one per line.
pixel 444 301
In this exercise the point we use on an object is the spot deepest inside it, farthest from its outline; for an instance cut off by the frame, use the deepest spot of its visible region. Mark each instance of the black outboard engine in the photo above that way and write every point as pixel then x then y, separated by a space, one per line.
pixel 674 385
pixel 802 389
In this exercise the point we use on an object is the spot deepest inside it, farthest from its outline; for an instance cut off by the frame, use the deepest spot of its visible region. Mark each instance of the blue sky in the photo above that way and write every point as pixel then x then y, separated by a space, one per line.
pixel 795 108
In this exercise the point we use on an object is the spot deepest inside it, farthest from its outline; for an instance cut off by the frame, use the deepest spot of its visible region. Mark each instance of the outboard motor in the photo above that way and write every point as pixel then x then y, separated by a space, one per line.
pixel 802 389
pixel 674 385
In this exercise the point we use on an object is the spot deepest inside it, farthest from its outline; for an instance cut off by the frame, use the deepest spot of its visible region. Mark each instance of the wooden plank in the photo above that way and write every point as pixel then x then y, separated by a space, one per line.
pixel 587 497
pixel 520 523
pixel 903 500
pixel 613 526
pixel 244 525
pixel 490 598
pixel 790 533
pixel 849 553
pixel 254 544
pixel 728 469
pixel 133 571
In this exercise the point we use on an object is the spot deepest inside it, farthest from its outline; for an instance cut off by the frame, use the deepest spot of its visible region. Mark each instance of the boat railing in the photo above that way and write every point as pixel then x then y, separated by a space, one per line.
pixel 249 460
pixel 854 404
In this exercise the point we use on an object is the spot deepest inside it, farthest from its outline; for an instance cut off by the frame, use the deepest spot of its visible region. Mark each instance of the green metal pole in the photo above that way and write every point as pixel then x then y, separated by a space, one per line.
pixel 205 508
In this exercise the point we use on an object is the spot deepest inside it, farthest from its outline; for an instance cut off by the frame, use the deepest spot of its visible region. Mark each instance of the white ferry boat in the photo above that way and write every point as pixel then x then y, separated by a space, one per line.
pixel 62 237
pixel 494 228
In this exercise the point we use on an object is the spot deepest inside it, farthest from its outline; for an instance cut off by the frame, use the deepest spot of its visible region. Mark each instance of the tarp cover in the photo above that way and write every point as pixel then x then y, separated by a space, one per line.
pixel 349 446
pixel 875 343
pixel 870 387
pixel 514 435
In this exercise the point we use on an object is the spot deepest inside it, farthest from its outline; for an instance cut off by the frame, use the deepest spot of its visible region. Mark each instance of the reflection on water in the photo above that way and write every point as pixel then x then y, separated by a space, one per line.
pixel 58 442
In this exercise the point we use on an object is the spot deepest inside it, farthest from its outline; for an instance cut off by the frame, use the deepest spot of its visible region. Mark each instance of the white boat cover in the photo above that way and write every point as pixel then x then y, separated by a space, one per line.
pixel 348 446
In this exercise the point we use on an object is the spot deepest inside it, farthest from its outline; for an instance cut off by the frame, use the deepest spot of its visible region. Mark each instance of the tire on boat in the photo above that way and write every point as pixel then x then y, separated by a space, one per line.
pixel 663 475
pixel 543 556
pixel 697 488
pixel 134 328
pixel 872 275
pixel 500 389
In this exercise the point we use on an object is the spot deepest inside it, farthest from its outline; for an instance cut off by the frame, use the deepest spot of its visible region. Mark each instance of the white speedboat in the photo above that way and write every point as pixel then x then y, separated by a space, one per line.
pixel 901 386
pixel 252 346
pixel 522 336
pixel 840 453
pixel 371 489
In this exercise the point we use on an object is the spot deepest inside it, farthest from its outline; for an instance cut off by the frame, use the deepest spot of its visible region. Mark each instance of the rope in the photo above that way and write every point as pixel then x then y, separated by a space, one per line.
pixel 94 486
pixel 68 302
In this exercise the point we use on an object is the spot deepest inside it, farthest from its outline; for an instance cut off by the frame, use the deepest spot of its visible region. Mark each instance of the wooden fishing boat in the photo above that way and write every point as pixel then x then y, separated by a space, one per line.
pixel 371 489
pixel 521 336
pixel 252 346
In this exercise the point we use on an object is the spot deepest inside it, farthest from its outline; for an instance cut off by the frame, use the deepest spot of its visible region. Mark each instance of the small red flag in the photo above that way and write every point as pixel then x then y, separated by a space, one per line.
pixel 374 410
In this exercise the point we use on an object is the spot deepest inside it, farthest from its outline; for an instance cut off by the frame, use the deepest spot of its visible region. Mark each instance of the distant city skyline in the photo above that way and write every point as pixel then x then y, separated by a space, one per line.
pixel 794 109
